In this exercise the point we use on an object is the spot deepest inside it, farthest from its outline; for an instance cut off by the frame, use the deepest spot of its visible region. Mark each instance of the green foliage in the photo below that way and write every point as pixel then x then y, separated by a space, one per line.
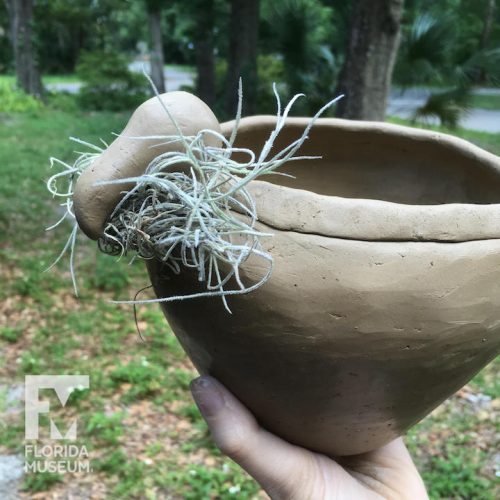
pixel 13 100
pixel 426 50
pixel 62 101
pixel 63 29
pixel 112 462
pixel 133 479
pixel 40 481
pixel 5 48
pixel 433 51
pixel 201 482
pixel 10 333
pixel 145 379
pixel 108 83
pixel 468 70
pixel 302 30
pixel 107 429
pixel 456 476
pixel 108 276
pixel 448 107
pixel 270 69
pixel 441 44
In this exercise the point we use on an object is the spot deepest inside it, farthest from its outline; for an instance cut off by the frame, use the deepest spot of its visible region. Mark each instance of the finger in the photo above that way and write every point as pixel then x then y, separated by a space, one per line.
pixel 277 465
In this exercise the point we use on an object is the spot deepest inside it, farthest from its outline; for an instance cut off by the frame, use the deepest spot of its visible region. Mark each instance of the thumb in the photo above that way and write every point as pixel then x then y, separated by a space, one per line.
pixel 280 467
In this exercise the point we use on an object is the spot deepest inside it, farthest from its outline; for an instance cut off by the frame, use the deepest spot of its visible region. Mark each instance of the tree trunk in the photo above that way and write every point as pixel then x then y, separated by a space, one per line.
pixel 243 40
pixel 489 17
pixel 484 41
pixel 366 76
pixel 21 35
pixel 204 42
pixel 157 61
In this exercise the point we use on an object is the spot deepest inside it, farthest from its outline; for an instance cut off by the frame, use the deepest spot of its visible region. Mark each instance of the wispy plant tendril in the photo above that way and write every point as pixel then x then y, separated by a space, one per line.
pixel 191 209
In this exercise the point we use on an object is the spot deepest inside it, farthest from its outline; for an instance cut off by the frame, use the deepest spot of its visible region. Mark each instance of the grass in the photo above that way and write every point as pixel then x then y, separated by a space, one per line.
pixel 490 102
pixel 489 142
pixel 46 79
pixel 145 436
pixel 73 78
pixel 180 67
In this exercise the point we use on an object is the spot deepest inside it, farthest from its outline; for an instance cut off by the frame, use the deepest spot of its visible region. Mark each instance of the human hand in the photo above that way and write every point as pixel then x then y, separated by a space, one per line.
pixel 287 471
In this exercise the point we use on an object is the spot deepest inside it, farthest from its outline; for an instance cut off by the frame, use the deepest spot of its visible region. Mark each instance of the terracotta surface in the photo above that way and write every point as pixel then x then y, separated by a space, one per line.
pixel 385 297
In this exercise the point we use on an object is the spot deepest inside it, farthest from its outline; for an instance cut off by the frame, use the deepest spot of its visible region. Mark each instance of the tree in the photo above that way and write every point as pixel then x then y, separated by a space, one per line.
pixel 20 14
pixel 489 17
pixel 154 8
pixel 302 31
pixel 441 46
pixel 426 55
pixel 204 44
pixel 371 52
pixel 243 40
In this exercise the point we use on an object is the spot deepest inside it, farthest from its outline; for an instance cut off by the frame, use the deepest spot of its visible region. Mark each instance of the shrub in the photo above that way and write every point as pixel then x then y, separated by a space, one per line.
pixel 13 100
pixel 270 69
pixel 108 83
pixel 108 276
pixel 62 101
pixel 449 107
pixel 11 334
pixel 41 481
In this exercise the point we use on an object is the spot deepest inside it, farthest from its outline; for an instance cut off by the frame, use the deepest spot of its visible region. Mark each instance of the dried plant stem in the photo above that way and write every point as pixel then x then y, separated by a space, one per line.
pixel 181 211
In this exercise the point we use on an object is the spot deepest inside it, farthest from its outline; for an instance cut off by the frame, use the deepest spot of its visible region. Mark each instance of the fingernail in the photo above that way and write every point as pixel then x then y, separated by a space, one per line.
pixel 207 396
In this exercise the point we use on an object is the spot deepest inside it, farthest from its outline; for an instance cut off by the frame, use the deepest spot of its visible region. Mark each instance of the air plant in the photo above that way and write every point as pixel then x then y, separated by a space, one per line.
pixel 191 208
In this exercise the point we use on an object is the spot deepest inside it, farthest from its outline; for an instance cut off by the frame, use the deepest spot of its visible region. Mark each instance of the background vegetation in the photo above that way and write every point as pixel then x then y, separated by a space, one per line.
pixel 304 44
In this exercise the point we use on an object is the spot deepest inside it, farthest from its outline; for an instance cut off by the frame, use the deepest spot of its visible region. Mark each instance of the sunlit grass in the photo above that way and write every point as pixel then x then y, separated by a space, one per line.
pixel 485 140
pixel 490 102
pixel 46 79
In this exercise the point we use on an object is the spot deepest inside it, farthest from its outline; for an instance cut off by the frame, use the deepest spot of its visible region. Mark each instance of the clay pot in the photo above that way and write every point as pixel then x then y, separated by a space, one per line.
pixel 385 296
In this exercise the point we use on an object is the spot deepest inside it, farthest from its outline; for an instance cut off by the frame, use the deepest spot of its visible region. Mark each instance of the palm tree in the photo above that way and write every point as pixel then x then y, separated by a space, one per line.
pixel 426 50
pixel 427 57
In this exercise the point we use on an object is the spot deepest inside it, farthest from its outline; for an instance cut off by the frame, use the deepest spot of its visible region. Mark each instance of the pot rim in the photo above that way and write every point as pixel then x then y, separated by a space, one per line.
pixel 299 210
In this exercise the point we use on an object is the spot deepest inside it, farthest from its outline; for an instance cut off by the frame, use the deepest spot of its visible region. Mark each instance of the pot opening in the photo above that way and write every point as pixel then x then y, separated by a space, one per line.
pixel 381 162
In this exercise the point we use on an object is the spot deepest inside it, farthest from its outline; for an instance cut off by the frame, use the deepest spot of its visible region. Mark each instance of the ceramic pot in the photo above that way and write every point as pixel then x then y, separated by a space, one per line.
pixel 385 295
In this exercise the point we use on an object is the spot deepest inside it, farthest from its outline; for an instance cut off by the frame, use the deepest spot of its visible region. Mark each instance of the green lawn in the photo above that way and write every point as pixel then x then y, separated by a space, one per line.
pixel 145 436
pixel 45 79
pixel 490 142
pixel 491 102
pixel 72 78
pixel 180 67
